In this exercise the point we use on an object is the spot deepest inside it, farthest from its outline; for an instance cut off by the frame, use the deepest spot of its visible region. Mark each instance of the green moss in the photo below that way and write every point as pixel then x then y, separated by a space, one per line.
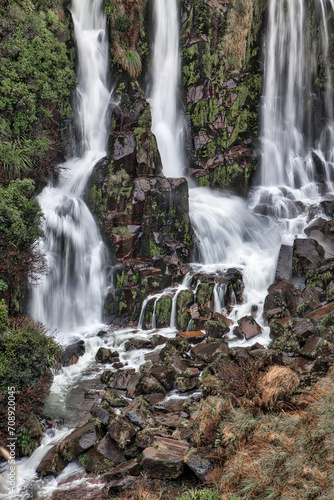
pixel 204 293
pixel 163 311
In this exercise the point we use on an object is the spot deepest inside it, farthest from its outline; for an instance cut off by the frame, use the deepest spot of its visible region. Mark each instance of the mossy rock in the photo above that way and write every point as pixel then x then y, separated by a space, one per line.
pixel 163 311
pixel 216 329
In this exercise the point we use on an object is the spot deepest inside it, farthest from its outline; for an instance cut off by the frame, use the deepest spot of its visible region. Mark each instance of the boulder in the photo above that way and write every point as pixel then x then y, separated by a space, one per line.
pixel 199 464
pixel 72 353
pixel 119 379
pixel 122 431
pixel 165 375
pixel 114 399
pixel 208 352
pixel 317 346
pixel 130 468
pixel 105 355
pixel 307 254
pixel 216 329
pixel 165 459
pixel 249 327
pixel 284 299
pixel 103 456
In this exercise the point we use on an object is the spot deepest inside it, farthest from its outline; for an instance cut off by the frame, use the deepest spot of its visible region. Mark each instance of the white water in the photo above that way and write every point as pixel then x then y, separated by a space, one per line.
pixel 71 294
pixel 167 123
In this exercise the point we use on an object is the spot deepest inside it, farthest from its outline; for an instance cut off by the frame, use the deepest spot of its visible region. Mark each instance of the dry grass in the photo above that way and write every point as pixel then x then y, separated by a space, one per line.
pixel 277 384
pixel 239 21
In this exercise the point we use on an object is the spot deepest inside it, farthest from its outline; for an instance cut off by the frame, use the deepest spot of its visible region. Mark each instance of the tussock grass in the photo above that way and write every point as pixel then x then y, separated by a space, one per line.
pixel 279 382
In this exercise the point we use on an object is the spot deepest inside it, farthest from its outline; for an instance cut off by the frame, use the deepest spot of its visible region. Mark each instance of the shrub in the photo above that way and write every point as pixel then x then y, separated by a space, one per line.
pixel 123 23
pixel 25 354
pixel 131 61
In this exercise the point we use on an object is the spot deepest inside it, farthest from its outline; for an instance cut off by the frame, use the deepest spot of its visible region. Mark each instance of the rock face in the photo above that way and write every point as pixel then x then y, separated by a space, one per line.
pixel 223 85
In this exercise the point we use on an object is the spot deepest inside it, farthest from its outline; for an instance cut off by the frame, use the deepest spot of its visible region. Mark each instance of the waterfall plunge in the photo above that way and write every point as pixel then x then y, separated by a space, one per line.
pixel 71 294
pixel 167 124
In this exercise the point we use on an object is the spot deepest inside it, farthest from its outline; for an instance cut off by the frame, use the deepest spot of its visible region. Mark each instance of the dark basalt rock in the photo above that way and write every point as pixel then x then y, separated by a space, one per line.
pixel 72 353
pixel 307 254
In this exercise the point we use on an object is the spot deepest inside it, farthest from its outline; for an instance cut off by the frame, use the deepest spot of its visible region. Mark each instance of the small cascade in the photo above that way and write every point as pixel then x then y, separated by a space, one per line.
pixel 167 123
pixel 184 286
pixel 72 292
pixel 219 297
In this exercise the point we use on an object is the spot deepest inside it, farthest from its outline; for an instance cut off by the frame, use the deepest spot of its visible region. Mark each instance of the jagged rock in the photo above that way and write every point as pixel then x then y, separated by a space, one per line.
pixel 286 344
pixel 216 329
pixel 283 299
pixel 185 384
pixel 321 311
pixel 249 327
pixel 307 254
pixel 317 346
pixel 140 417
pixel 72 353
pixel 119 379
pixel 103 455
pixel 122 431
pixel 105 355
pixel 101 413
pixel 132 385
pixel 130 468
pixel 164 460
pixel 149 385
pixel 199 464
pixel 145 437
pixel 138 344
pixel 208 352
pixel 114 399
pixel 52 463
pixel 165 375
pixel 118 485
pixel 266 357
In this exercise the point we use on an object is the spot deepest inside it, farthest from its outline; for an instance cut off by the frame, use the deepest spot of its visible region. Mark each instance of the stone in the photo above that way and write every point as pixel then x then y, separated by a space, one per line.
pixel 132 384
pixel 101 413
pixel 209 352
pixel 283 299
pixel 200 465
pixel 51 463
pixel 103 355
pixel 164 460
pixel 114 399
pixel 193 337
pixel 119 379
pixel 71 354
pixel 82 438
pixel 118 485
pixel 322 311
pixel 317 346
pixel 284 263
pixel 140 417
pixel 185 384
pixel 216 329
pixel 130 468
pixel 103 456
pixel 138 344
pixel 307 254
pixel 249 327
pixel 149 385
pixel 122 431
pixel 165 375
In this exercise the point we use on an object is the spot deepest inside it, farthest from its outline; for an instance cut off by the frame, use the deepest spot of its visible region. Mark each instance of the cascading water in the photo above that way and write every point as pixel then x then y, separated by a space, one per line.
pixel 167 124
pixel 297 117
pixel 71 294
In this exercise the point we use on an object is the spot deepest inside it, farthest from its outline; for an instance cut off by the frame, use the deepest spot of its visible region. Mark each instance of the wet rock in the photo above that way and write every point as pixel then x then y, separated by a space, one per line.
pixel 132 385
pixel 311 297
pixel 145 438
pixel 138 344
pixel 122 431
pixel 114 399
pixel 102 333
pixel 266 357
pixel 173 348
pixel 103 455
pixel 140 417
pixel 72 353
pixel 216 329
pixel 81 439
pixel 284 263
pixel 307 254
pixel 119 379
pixel 322 311
pixel 164 460
pixel 317 346
pixel 52 463
pixel 208 352
pixel 118 485
pixel 105 355
pixel 165 375
pixel 130 468
pixel 284 299
pixel 199 464
pixel 186 384
pixel 193 337
pixel 249 327
pixel 149 385
pixel 101 413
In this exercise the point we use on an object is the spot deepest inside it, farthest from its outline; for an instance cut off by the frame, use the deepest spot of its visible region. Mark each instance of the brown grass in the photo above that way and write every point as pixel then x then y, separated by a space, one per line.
pixel 277 384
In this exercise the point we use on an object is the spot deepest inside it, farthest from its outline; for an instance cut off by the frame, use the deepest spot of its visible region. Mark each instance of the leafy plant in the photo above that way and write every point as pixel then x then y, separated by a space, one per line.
pixel 131 61
pixel 123 23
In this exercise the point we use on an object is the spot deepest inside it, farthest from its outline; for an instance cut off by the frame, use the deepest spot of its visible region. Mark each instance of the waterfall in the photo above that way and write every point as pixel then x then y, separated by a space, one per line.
pixel 71 293
pixel 297 119
pixel 167 124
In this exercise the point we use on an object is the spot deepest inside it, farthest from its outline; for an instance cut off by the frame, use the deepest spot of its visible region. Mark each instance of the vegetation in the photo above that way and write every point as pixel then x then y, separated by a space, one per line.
pixel 37 78
pixel 20 222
